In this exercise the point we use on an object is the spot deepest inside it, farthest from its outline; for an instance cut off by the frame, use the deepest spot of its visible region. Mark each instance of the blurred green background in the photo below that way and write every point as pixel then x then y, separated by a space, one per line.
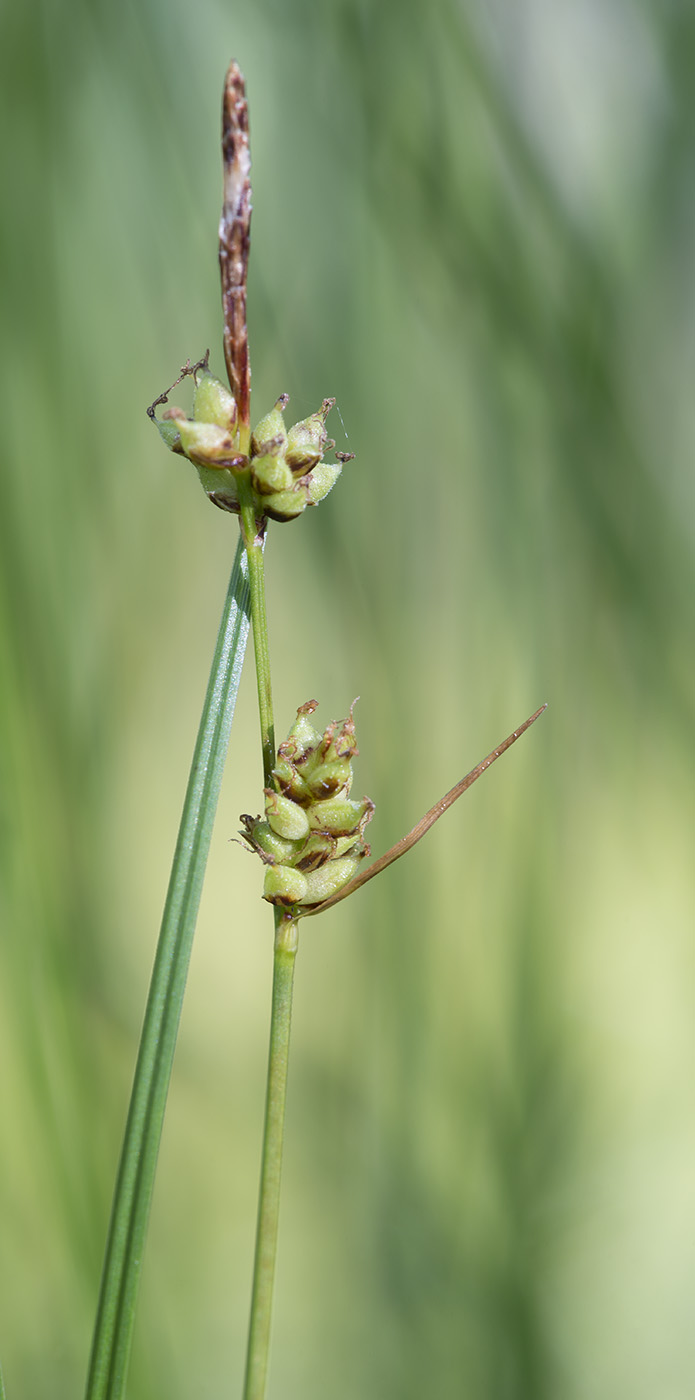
pixel 473 224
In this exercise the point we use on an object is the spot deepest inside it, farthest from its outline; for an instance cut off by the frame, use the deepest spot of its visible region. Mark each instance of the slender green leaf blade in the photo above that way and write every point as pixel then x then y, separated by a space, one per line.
pixel 136 1172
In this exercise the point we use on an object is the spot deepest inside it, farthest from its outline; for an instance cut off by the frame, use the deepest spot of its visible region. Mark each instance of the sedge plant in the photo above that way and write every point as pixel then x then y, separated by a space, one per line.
pixel 310 835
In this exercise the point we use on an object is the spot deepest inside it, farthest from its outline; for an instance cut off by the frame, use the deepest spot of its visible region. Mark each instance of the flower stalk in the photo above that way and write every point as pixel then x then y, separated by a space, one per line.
pixel 253 537
pixel 286 938
pixel 284 954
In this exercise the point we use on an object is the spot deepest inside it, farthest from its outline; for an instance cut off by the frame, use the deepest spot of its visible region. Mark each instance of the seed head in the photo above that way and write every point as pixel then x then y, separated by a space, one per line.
pixel 312 838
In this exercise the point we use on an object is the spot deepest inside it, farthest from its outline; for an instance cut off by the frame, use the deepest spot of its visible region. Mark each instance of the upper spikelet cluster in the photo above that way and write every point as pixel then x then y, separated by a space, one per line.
pixel 286 466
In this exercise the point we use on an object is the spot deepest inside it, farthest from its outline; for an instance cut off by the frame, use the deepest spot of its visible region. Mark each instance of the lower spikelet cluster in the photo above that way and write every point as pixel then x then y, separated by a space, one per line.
pixel 312 837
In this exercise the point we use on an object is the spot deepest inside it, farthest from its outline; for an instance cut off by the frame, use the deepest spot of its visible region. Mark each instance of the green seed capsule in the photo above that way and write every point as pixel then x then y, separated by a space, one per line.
pixel 206 444
pixel 271 430
pixel 330 779
pixel 284 886
pixel 269 474
pixel 169 430
pixel 303 741
pixel 349 845
pixel 220 484
pixel 316 851
pixel 284 505
pixel 281 851
pixel 339 740
pixel 321 884
pixel 213 403
pixel 306 440
pixel 289 782
pixel 322 480
pixel 285 817
pixel 339 815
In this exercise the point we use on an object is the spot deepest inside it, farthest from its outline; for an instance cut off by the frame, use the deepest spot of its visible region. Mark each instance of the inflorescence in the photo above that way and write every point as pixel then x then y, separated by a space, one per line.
pixel 311 839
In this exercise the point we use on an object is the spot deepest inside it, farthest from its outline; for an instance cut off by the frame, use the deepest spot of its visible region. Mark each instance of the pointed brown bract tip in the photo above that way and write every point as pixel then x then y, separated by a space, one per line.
pixel 235 135
pixel 234 85
pixel 532 718
pixel 235 228
pixel 234 106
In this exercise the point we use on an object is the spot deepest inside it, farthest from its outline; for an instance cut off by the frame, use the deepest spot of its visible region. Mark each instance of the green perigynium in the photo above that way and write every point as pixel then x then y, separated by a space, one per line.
pixel 311 838
pixel 286 468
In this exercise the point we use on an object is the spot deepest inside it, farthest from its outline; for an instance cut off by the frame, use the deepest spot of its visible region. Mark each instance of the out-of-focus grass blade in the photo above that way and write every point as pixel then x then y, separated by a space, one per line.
pixel 136 1172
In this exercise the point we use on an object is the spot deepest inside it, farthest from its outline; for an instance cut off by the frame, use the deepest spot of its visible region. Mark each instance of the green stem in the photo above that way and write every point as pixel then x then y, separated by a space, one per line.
pixel 253 540
pixel 269 1197
pixel 134 1185
pixel 281 1013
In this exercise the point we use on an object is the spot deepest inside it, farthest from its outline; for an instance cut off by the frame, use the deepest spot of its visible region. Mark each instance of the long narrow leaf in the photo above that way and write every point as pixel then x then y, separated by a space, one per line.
pixel 135 1181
